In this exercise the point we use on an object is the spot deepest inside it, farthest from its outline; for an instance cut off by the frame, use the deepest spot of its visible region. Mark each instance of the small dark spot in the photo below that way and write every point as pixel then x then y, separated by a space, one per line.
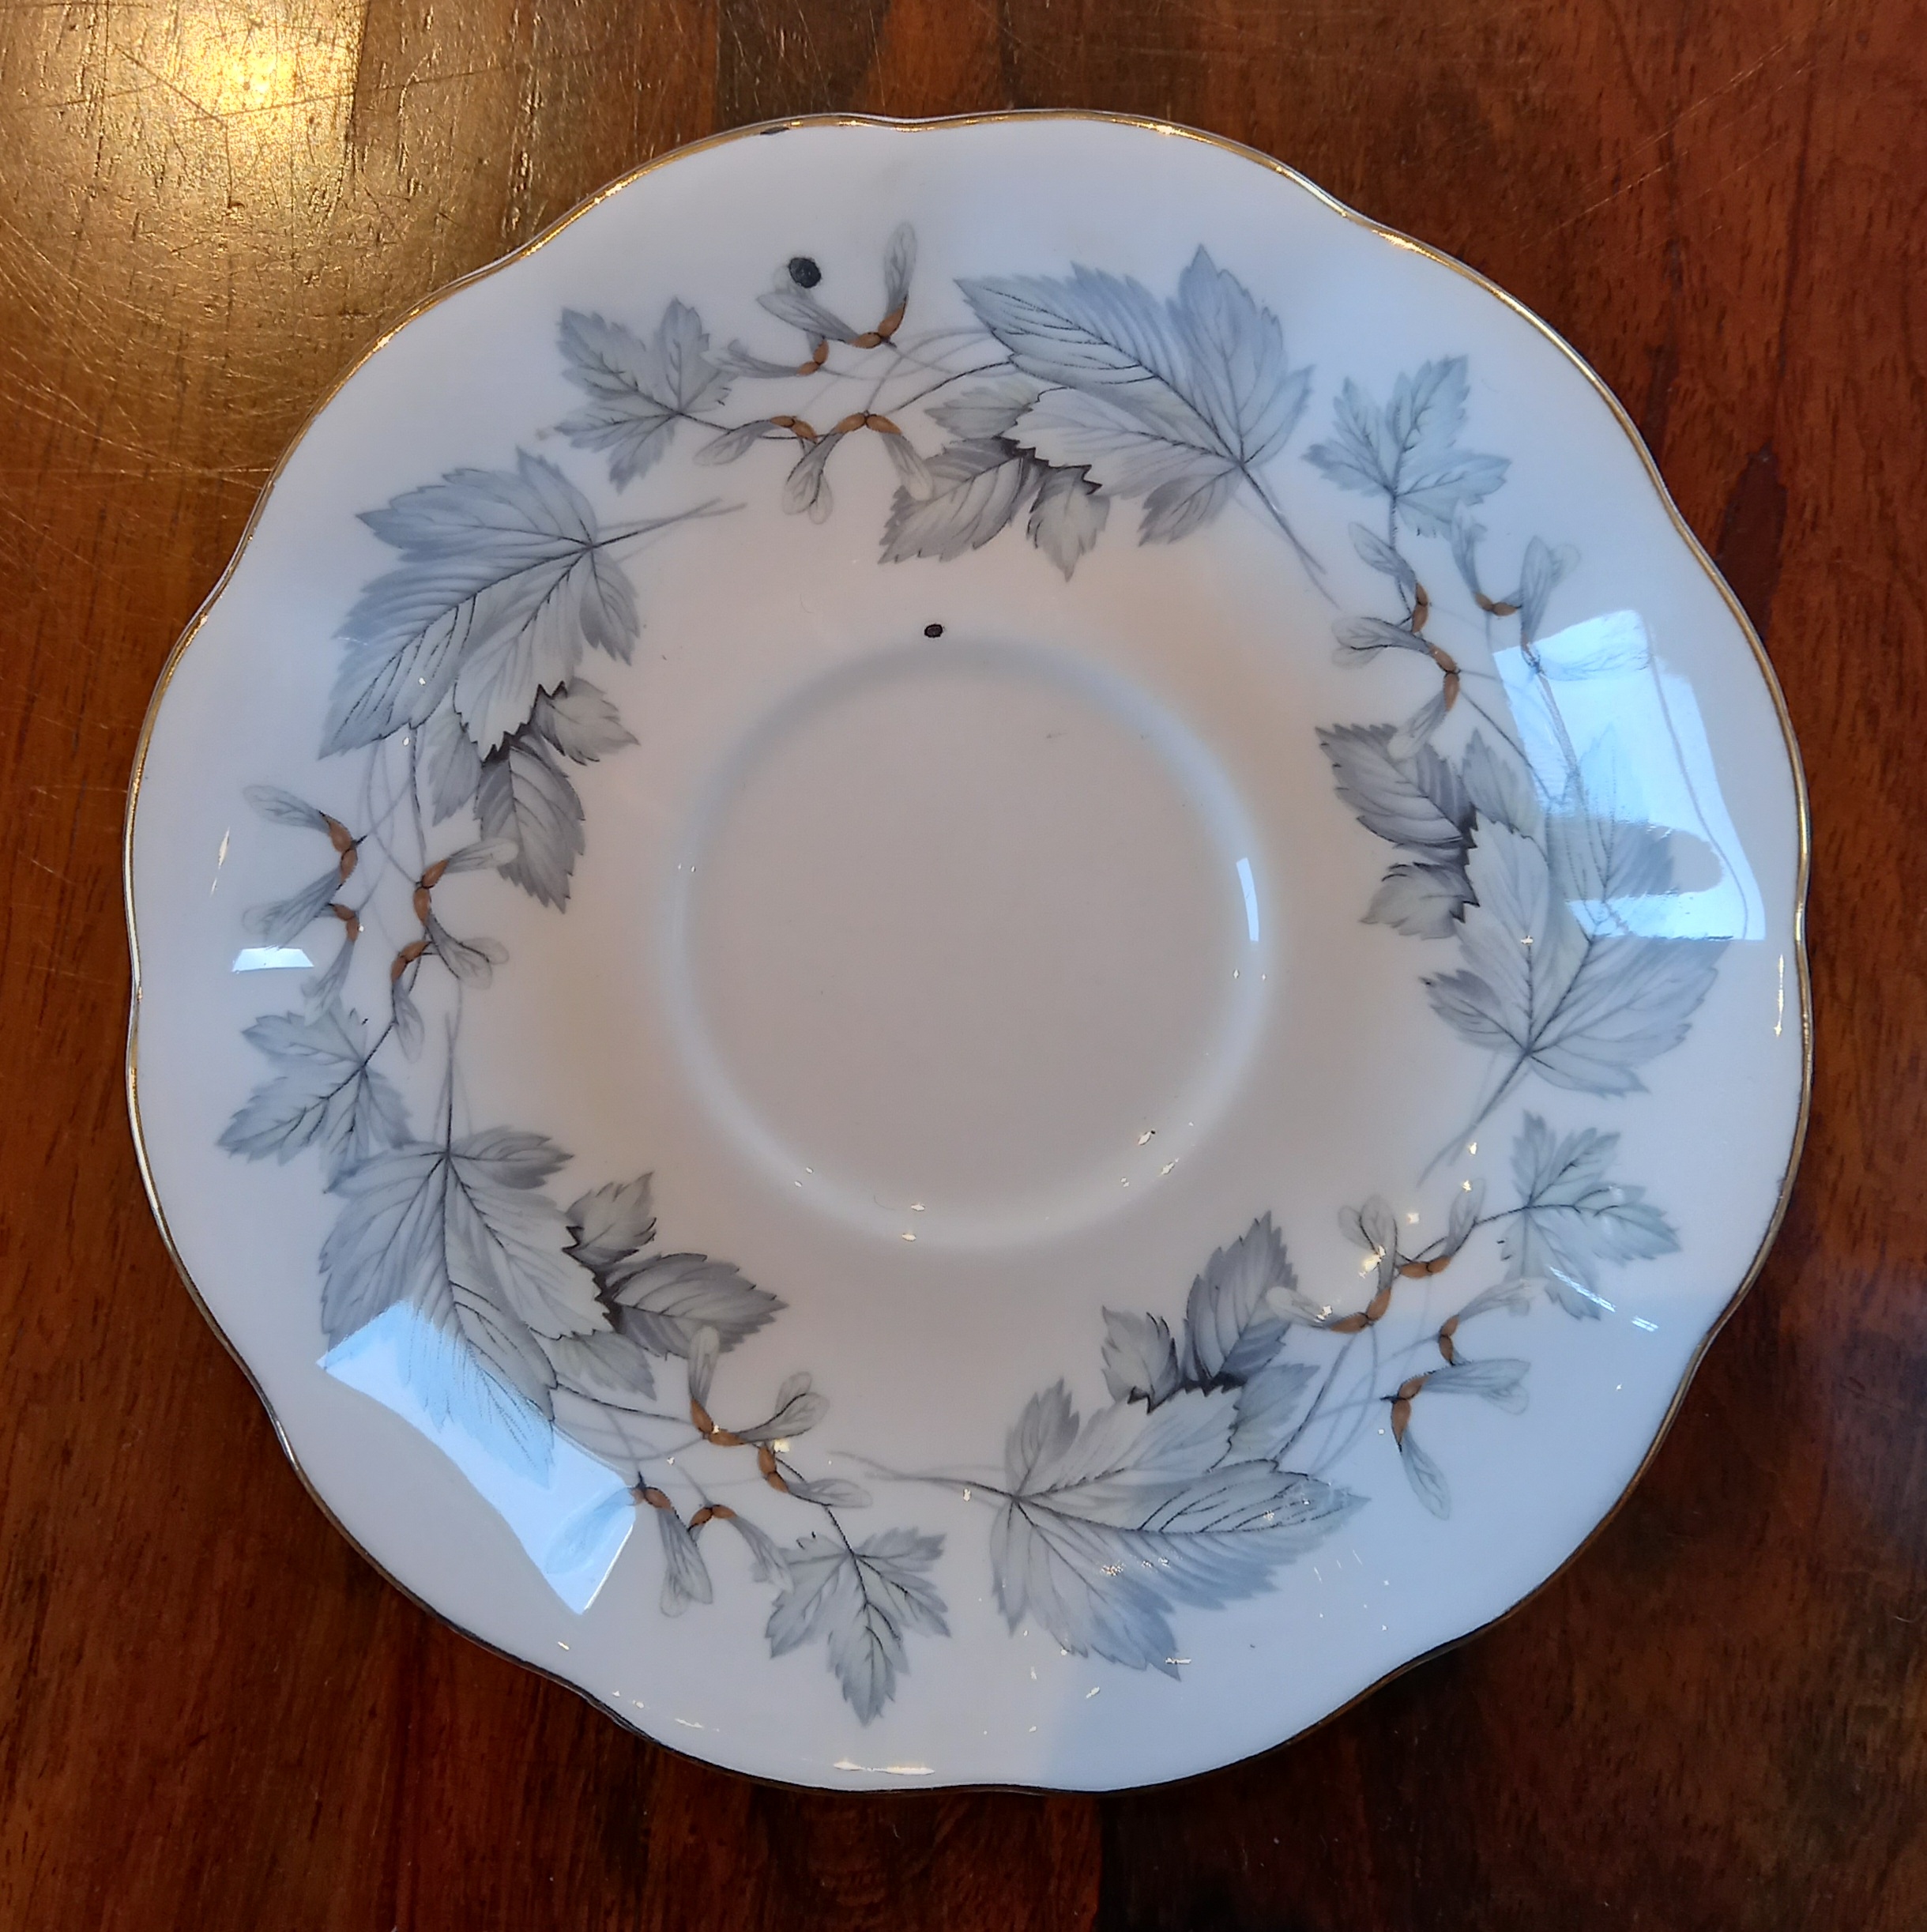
pixel 803 272
pixel 933 630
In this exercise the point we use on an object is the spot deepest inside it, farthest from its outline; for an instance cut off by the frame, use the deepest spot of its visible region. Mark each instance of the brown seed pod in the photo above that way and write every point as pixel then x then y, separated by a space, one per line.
pixel 854 421
pixel 882 424
pixel 705 1514
pixel 406 958
pixel 700 1416
pixel 1351 1324
pixel 349 918
pixel 432 877
pixel 421 904
pixel 1401 1417
pixel 1421 608
pixel 657 1500
pixel 1452 689
pixel 1500 608
pixel 347 863
pixel 339 836
pixel 1447 1329
pixel 1411 1385
pixel 1375 1308
pixel 1418 1271
pixel 765 1461
pixel 817 358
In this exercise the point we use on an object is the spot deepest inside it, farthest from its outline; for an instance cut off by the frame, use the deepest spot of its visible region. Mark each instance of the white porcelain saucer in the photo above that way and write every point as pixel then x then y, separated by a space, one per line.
pixel 968 953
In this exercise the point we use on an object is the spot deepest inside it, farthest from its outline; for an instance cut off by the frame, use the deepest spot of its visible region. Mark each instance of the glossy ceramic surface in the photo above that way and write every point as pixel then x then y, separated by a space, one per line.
pixel 968 954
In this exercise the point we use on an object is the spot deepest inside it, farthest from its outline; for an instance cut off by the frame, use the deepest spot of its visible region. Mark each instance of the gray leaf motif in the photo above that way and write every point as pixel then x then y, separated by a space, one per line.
pixel 1068 517
pixel 1572 1217
pixel 637 391
pixel 1413 798
pixel 987 410
pixel 610 1223
pixel 863 1597
pixel 325 1094
pixel 1268 1405
pixel 1232 1327
pixel 1176 403
pixel 1581 1011
pixel 450 762
pixel 461 1231
pixel 506 574
pixel 1417 801
pixel 1499 790
pixel 580 721
pixel 525 798
pixel 1140 1358
pixel 1106 1526
pixel 1408 451
pixel 1422 901
pixel 667 1300
pixel 612 1368
pixel 976 488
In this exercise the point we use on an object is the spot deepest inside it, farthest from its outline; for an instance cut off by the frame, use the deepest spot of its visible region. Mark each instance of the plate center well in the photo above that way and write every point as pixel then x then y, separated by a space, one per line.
pixel 969 942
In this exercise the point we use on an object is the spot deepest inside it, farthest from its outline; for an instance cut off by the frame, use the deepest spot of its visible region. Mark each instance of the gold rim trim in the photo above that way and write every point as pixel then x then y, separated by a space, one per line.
pixel 1685 530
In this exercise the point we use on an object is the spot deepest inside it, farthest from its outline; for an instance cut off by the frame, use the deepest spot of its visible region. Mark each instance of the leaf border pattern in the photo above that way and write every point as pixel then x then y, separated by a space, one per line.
pixel 461 694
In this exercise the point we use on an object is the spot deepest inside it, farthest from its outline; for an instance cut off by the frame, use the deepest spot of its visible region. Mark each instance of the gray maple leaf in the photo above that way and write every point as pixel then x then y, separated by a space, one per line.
pixel 612 1368
pixel 670 1299
pixel 1499 790
pixel 637 391
pixel 461 1231
pixel 988 410
pixel 1232 1327
pixel 1572 1216
pixel 862 1598
pixel 976 488
pixel 1416 801
pixel 326 1092
pixel 525 798
pixel 506 575
pixel 1407 450
pixel 580 721
pixel 1269 1404
pixel 1178 403
pixel 1140 1358
pixel 1582 1009
pixel 1106 1526
pixel 1067 518
pixel 610 1223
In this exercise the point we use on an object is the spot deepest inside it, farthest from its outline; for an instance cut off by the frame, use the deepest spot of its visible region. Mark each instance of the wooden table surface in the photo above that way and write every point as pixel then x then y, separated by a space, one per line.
pixel 216 1714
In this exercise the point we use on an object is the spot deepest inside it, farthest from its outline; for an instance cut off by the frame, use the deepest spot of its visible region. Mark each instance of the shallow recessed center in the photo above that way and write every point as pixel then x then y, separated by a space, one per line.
pixel 969 941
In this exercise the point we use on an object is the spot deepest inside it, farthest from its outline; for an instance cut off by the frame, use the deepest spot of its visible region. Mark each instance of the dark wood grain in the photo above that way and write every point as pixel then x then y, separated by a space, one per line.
pixel 215 1715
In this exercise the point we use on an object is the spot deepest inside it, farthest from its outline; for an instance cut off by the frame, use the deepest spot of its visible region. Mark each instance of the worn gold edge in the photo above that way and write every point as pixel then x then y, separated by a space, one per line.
pixel 1685 530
